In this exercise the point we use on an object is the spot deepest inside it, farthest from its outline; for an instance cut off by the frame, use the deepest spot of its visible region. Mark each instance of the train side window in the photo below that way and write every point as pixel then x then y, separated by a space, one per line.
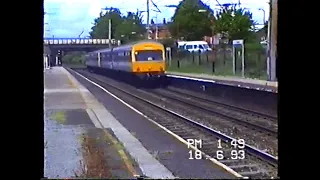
pixel 188 46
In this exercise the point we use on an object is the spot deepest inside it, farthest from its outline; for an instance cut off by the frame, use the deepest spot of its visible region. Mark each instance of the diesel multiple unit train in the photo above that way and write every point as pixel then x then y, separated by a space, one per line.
pixel 143 59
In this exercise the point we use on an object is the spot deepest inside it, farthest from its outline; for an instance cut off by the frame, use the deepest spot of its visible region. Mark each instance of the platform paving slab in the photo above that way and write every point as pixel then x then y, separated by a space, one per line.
pixel 67 96
pixel 65 121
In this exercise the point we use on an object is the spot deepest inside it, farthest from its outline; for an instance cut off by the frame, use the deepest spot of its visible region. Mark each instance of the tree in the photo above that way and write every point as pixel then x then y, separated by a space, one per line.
pixel 75 57
pixel 100 27
pixel 188 22
pixel 127 28
pixel 265 27
pixel 234 23
pixel 131 28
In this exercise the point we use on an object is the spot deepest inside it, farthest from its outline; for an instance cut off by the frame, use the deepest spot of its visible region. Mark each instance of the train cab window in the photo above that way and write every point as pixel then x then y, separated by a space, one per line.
pixel 149 55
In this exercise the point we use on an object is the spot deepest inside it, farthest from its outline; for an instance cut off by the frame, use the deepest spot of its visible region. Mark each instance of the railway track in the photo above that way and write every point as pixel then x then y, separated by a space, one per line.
pixel 214 119
pixel 207 99
pixel 244 159
pixel 242 117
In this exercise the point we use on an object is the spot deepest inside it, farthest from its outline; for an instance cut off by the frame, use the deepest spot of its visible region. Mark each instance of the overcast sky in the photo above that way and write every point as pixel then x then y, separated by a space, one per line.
pixel 68 18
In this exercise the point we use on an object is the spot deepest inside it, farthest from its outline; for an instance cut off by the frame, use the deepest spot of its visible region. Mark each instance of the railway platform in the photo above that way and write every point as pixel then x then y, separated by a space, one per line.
pixel 229 80
pixel 72 115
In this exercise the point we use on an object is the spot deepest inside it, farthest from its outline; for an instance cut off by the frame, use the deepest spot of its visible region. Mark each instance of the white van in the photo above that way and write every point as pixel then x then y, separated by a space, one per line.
pixel 194 46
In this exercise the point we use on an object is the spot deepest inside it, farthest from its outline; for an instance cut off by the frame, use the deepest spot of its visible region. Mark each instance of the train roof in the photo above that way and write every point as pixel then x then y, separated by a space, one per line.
pixel 127 46
pixel 97 51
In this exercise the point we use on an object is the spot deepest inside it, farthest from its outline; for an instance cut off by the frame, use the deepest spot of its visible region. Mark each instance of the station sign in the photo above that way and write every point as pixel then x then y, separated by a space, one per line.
pixel 237 43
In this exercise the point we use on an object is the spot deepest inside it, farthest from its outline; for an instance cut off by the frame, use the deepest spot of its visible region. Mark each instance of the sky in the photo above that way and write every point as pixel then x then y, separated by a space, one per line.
pixel 74 18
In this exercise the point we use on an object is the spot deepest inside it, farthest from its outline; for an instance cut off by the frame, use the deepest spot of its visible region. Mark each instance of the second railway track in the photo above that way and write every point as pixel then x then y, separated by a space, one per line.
pixel 257 138
pixel 262 125
pixel 208 99
pixel 254 163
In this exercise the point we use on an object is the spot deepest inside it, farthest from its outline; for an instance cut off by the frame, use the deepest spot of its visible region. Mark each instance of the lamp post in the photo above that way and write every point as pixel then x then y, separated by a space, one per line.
pixel 264 15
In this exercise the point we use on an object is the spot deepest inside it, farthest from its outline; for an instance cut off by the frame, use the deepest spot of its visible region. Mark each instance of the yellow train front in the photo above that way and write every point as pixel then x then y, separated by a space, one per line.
pixel 143 59
pixel 148 59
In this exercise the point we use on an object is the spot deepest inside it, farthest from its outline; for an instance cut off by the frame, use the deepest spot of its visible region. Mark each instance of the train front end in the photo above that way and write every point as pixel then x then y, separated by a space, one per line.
pixel 148 60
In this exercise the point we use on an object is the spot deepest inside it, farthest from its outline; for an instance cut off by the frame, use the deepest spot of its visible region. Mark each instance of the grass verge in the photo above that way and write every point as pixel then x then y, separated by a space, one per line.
pixel 94 164
pixel 104 157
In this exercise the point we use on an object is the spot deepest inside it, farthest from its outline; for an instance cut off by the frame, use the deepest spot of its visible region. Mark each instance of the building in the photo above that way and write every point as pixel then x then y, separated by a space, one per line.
pixel 163 32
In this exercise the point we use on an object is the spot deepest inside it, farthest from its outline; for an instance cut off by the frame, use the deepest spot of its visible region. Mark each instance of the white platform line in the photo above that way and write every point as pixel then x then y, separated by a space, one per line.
pixel 263 87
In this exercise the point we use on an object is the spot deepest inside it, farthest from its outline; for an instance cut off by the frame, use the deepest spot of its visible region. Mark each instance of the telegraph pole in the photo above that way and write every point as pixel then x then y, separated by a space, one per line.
pixel 274 34
pixel 269 45
pixel 272 40
pixel 109 33
pixel 148 16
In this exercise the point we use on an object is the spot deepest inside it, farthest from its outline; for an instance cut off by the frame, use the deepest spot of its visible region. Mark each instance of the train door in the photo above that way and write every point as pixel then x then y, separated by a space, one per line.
pixel 112 58
pixel 99 59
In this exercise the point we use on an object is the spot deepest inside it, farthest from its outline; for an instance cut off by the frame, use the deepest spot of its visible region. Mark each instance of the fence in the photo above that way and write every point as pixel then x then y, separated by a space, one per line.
pixel 219 62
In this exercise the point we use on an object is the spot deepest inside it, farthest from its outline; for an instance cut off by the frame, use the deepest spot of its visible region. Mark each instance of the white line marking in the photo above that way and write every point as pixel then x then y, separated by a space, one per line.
pixel 94 118
pixel 48 91
pixel 164 128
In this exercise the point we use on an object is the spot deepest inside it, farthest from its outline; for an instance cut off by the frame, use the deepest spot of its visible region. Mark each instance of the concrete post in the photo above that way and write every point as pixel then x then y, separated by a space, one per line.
pixel 274 34
pixel 46 62
pixel 57 60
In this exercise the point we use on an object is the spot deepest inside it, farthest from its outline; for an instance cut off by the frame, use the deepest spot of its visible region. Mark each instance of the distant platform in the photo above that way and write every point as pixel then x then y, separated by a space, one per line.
pixel 229 80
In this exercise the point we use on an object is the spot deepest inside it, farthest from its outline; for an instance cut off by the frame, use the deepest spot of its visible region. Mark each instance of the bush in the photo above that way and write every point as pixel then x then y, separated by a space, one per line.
pixel 76 57
pixel 253 47
pixel 168 42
